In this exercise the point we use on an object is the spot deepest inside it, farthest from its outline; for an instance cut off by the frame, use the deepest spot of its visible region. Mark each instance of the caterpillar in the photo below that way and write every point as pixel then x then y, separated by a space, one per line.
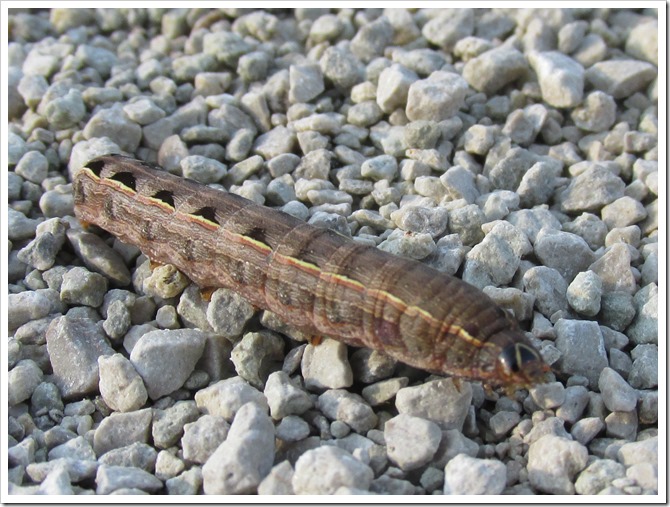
pixel 316 279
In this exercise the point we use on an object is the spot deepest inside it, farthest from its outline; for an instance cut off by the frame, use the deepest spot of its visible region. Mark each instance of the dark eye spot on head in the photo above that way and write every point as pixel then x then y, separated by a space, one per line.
pixel 125 178
pixel 96 166
pixel 508 358
pixel 515 357
pixel 208 213
pixel 165 196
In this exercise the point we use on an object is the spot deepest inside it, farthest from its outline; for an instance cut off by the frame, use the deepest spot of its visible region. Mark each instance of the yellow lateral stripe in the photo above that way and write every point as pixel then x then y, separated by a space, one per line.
pixel 293 261
pixel 90 172
pixel 254 243
pixel 157 202
pixel 207 224
pixel 119 186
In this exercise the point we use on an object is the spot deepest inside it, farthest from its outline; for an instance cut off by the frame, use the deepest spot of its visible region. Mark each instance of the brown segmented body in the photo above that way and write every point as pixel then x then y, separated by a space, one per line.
pixel 315 279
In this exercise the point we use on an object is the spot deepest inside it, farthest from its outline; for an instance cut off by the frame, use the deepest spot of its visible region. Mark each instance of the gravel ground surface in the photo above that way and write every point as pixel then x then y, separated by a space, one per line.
pixel 515 148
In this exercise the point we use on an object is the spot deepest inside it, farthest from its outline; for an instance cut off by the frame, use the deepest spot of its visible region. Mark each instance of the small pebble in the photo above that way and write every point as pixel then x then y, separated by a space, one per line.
pixel 485 477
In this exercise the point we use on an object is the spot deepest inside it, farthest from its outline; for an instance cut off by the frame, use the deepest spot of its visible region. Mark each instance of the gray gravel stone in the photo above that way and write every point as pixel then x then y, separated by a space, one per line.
pixel 439 401
pixel 225 397
pixel 582 347
pixel 57 482
pixel 584 293
pixel 33 166
pixel 81 287
pixel 203 436
pixel 22 380
pixel 168 424
pixel 585 430
pixel 502 422
pixel 623 212
pixel 460 184
pixel 138 455
pixel 203 169
pixel 565 252
pixel 383 391
pixel 114 124
pixel 575 401
pixel 644 371
pixel 241 462
pixel 292 429
pixel 165 359
pixel 571 36
pixel 620 78
pixel 278 481
pixel 98 256
pixel 492 70
pixel 322 471
pixel 553 462
pixel 23 453
pixel 436 98
pixel 598 476
pixel 561 78
pixel 193 113
pixel 306 82
pixel 621 425
pixel 616 393
pixel 495 260
pixel 27 306
pixel 642 41
pixel 41 252
pixel 550 395
pixel 393 87
pixel 447 27
pixel 338 404
pixel 383 167
pixel 371 365
pixel 114 478
pixel 165 281
pixel 420 220
pixel 411 441
pixel 325 366
pixel 168 466
pixel 591 190
pixel 121 430
pixel 143 111
pixel 257 355
pixel 613 268
pixel 46 399
pixel 643 328
pixel 372 38
pixel 76 448
pixel 65 111
pixel 121 387
pixel 548 287
pixel 416 246
pixel 20 227
pixel 74 346
pixel 597 114
pixel 465 475
pixel 285 397
pixel 617 310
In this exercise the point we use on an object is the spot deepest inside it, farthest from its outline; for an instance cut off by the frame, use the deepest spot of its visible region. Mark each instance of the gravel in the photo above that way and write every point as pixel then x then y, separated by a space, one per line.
pixel 514 148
